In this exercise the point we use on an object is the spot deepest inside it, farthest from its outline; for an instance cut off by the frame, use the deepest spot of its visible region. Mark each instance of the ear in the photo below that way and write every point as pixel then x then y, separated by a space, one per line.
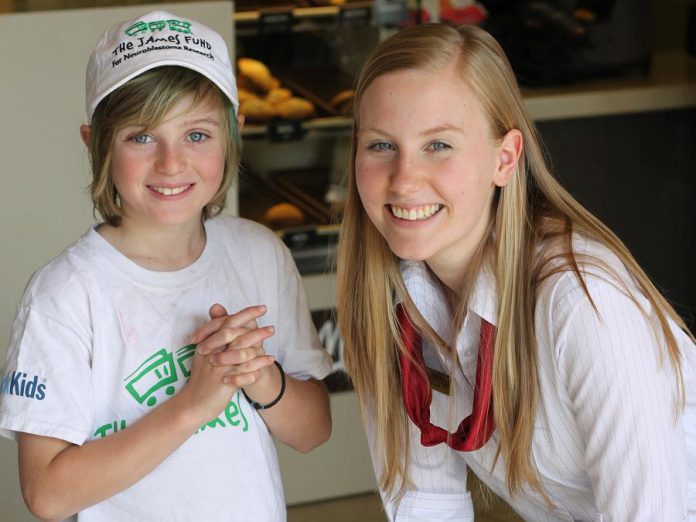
pixel 85 133
pixel 509 152
pixel 240 122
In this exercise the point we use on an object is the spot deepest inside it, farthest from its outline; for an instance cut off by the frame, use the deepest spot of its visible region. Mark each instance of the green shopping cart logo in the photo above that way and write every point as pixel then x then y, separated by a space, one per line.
pixel 141 27
pixel 158 374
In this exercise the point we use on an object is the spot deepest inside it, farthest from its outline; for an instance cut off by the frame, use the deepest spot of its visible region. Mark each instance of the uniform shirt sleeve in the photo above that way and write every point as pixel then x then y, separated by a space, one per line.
pixel 623 399
pixel 298 347
pixel 46 386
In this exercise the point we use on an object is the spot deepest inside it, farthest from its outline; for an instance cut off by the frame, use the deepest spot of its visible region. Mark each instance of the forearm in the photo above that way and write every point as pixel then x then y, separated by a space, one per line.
pixel 81 476
pixel 302 418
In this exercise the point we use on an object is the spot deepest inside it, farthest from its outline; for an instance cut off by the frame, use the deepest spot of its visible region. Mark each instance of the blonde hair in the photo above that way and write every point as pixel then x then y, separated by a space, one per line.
pixel 533 207
pixel 145 101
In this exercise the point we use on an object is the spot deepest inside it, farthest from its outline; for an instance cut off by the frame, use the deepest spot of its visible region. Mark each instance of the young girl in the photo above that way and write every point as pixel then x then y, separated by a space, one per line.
pixel 132 392
pixel 461 258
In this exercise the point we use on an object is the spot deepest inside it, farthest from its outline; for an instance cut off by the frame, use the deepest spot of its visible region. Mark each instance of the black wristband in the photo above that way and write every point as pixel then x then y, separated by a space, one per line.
pixel 258 406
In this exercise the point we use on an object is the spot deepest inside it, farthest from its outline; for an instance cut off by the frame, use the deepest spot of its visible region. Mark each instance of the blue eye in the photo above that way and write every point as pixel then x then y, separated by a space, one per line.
pixel 381 146
pixel 141 139
pixel 197 137
pixel 438 146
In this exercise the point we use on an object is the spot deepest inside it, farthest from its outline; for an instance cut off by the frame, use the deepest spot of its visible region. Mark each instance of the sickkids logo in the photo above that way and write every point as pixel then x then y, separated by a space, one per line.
pixel 22 385
pixel 159 35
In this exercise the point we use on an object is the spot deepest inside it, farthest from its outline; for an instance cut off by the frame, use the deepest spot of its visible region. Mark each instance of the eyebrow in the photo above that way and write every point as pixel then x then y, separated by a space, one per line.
pixel 428 132
pixel 202 119
pixel 441 128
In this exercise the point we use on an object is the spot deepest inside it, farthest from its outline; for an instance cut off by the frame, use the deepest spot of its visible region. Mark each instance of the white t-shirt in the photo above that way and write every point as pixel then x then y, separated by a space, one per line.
pixel 606 442
pixel 99 341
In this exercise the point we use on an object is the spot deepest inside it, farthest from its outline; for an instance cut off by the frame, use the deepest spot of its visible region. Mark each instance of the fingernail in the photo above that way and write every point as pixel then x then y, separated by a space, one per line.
pixel 271 329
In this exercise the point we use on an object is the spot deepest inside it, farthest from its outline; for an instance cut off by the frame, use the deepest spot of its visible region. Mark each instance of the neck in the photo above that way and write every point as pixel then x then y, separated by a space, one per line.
pixel 451 275
pixel 452 266
pixel 159 248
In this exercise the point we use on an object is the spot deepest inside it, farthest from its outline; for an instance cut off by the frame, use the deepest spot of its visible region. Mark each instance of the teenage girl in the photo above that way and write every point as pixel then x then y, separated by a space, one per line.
pixel 569 382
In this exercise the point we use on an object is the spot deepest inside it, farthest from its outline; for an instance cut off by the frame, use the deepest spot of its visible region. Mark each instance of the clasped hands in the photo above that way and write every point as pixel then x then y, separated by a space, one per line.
pixel 229 355
pixel 235 341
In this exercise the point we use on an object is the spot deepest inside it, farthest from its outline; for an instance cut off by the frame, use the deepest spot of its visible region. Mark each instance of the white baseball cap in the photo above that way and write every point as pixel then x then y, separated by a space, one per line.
pixel 158 38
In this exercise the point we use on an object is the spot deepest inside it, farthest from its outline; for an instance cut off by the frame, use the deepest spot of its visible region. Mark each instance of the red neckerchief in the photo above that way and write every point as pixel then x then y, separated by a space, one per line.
pixel 475 430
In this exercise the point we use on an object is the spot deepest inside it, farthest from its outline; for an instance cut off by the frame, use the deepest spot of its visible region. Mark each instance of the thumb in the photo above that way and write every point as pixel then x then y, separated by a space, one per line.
pixel 217 310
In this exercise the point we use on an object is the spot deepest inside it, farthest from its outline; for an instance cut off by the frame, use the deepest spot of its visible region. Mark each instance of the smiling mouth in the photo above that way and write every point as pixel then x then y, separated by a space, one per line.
pixel 171 191
pixel 415 213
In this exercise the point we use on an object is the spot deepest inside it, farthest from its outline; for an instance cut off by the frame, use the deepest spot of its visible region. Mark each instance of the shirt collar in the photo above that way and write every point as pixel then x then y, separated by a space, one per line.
pixel 483 300
pixel 427 294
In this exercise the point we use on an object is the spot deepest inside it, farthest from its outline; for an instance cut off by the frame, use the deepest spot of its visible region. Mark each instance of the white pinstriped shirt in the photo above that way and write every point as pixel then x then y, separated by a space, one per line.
pixel 606 442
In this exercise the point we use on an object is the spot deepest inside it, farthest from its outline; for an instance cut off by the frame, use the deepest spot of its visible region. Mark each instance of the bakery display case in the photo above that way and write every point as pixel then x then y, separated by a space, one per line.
pixel 296 64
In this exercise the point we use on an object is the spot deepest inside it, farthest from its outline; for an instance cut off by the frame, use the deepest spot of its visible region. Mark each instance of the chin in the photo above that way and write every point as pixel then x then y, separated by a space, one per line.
pixel 410 252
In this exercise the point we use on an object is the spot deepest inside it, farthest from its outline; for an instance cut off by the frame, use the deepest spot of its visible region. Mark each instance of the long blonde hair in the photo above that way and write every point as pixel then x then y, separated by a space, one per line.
pixel 531 208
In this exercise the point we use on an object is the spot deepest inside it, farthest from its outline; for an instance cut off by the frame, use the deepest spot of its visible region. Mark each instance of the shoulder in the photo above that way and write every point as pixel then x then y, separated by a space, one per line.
pixel 600 269
pixel 243 232
pixel 602 296
pixel 250 247
pixel 67 277
pixel 58 299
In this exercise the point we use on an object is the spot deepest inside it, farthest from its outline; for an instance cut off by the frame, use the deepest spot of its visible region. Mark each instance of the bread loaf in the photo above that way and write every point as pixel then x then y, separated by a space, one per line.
pixel 343 102
pixel 278 95
pixel 294 108
pixel 284 215
pixel 244 95
pixel 256 72
pixel 256 109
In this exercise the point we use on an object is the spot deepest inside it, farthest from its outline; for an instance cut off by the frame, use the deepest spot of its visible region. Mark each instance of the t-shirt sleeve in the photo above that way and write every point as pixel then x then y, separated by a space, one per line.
pixel 46 381
pixel 299 349
pixel 623 399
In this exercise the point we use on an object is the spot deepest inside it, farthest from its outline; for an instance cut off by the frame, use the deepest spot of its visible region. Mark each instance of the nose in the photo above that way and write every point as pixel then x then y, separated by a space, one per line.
pixel 170 160
pixel 406 176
